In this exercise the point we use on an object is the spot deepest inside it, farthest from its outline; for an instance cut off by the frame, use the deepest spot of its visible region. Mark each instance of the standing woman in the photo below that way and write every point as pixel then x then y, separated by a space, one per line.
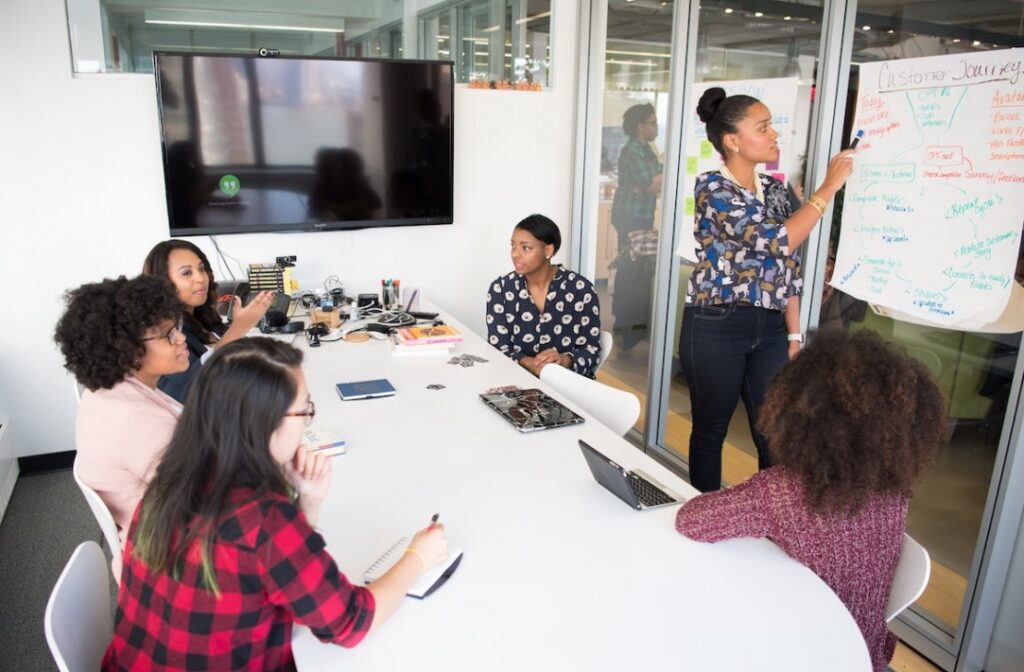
pixel 222 559
pixel 187 267
pixel 742 298
pixel 639 185
pixel 542 313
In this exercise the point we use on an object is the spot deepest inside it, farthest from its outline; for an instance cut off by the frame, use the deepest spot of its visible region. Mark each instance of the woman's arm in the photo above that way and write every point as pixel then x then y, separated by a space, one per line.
pixel 792 318
pixel 244 318
pixel 499 328
pixel 738 511
pixel 429 547
pixel 803 221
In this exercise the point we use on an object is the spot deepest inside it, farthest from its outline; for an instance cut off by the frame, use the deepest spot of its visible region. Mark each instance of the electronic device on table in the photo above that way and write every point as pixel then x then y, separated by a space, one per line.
pixel 635 488
pixel 304 173
pixel 530 410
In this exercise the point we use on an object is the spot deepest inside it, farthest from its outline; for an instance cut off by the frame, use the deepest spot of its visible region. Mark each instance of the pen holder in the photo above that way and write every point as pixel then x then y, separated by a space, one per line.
pixel 389 297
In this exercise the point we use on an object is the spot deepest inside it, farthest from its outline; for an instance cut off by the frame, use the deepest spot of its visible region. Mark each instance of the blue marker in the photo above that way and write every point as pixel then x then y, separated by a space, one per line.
pixel 856 139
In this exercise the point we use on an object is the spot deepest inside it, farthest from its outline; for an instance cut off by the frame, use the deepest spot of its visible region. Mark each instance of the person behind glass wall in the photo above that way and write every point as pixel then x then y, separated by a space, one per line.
pixel 639 185
pixel 118 337
pixel 741 299
pixel 541 313
pixel 188 268
pixel 222 556
pixel 852 423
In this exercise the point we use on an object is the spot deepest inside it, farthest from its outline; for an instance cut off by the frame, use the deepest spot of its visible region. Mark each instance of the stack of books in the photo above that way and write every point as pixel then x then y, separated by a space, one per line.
pixel 425 340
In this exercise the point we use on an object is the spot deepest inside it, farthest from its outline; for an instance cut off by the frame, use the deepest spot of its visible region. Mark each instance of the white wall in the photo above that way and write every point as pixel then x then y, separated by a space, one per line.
pixel 82 198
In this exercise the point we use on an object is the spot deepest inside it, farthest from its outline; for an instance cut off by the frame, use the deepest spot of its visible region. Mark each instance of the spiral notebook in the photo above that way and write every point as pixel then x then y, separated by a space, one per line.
pixel 431 580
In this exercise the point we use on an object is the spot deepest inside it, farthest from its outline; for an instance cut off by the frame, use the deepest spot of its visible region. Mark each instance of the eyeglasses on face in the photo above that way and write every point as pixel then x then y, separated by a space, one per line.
pixel 308 414
pixel 171 335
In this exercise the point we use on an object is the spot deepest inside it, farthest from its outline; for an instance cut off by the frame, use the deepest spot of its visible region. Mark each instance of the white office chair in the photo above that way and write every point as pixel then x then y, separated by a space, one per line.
pixel 912 573
pixel 77 621
pixel 103 517
pixel 79 390
pixel 616 409
pixel 607 344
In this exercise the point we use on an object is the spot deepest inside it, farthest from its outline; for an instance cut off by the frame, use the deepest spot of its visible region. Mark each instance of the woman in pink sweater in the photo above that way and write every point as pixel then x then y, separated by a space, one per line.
pixel 851 423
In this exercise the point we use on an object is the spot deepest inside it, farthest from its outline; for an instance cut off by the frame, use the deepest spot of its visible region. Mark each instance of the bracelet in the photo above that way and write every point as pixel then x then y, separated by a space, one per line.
pixel 819 204
pixel 418 555
pixel 799 338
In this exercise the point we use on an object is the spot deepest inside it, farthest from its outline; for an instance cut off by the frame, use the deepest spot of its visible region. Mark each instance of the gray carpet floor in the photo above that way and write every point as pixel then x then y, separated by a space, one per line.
pixel 45 521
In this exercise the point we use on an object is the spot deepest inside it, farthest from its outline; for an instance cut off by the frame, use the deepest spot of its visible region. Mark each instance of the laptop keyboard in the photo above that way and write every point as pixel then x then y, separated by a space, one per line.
pixel 648 494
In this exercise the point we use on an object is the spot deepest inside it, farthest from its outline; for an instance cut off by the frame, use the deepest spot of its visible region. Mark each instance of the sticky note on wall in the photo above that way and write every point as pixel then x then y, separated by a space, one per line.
pixel 706 149
pixel 691 165
pixel 689 205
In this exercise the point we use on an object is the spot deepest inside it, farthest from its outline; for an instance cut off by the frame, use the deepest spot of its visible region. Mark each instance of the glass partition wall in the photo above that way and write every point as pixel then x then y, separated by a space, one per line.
pixel 635 189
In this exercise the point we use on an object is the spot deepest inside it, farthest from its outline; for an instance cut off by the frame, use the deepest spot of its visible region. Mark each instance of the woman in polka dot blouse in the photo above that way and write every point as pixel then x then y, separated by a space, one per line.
pixel 542 313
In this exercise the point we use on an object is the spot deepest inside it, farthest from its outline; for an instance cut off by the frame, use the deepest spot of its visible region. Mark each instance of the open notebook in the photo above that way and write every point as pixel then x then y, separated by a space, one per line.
pixel 431 580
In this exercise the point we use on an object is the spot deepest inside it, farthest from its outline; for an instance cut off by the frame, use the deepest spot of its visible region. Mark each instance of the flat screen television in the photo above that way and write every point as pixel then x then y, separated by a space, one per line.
pixel 255 144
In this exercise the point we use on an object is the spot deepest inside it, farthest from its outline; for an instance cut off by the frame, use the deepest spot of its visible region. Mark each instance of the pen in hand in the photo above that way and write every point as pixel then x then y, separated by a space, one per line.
pixel 433 521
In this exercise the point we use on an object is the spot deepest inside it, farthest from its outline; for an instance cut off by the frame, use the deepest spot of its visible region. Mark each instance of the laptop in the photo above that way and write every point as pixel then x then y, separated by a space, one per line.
pixel 635 487
pixel 530 410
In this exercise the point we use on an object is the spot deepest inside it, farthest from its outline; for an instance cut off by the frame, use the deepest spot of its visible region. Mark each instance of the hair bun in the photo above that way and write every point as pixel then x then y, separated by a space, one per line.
pixel 709 103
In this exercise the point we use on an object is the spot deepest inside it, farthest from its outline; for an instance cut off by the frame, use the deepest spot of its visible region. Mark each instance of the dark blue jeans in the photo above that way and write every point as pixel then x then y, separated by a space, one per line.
pixel 727 352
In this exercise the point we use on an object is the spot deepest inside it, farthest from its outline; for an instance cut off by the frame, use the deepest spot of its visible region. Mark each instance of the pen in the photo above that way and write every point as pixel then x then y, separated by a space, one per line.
pixel 433 521
pixel 856 139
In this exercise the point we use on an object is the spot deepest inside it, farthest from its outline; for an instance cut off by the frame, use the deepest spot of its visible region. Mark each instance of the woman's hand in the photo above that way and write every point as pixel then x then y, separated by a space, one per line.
pixel 794 349
pixel 431 544
pixel 839 169
pixel 310 474
pixel 552 356
pixel 246 317
pixel 530 364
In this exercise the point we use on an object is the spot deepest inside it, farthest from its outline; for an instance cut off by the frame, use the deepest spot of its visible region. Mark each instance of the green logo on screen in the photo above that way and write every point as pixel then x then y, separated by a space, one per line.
pixel 230 185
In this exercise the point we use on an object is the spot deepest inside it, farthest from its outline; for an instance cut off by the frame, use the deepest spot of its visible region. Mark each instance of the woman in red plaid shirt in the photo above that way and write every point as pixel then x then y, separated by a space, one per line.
pixel 221 556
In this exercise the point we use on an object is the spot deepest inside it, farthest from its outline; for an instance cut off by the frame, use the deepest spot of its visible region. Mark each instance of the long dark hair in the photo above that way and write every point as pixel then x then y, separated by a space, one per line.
pixel 204 320
pixel 222 442
pixel 721 113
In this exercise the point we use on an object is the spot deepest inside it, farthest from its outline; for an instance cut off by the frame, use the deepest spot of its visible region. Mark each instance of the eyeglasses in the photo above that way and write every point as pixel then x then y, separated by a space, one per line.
pixel 308 414
pixel 171 334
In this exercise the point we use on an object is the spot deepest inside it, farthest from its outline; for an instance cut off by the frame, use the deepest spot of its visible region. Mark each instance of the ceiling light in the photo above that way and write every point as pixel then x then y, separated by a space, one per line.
pixel 865 27
pixel 728 10
pixel 976 43
pixel 787 18
pixel 759 14
pixel 956 40
pixel 527 19
pixel 890 31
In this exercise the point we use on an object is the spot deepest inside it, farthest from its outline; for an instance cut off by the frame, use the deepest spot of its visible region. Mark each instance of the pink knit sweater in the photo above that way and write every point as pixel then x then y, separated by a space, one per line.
pixel 855 555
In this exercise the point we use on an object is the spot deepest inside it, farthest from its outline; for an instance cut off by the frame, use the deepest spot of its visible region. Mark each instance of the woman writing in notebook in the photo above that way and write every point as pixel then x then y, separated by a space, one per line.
pixel 542 313
pixel 222 557
pixel 742 296
pixel 851 423
pixel 185 265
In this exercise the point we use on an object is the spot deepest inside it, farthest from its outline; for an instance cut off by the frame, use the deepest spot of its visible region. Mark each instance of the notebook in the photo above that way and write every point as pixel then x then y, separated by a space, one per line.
pixel 365 389
pixel 431 580
pixel 530 410
pixel 635 488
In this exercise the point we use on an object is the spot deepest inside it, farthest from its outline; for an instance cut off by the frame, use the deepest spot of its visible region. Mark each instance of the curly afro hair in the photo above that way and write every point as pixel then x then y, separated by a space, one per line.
pixel 100 333
pixel 852 416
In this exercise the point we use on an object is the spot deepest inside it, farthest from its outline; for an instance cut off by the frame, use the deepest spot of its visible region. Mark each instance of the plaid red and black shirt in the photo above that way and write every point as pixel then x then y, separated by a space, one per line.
pixel 272 570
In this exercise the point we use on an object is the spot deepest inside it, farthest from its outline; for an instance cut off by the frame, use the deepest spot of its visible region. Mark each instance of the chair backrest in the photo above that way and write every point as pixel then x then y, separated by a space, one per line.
pixel 616 409
pixel 911 577
pixel 607 344
pixel 103 517
pixel 77 621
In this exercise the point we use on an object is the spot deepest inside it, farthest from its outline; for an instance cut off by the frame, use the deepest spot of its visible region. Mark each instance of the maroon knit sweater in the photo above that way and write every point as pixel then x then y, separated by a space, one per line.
pixel 855 555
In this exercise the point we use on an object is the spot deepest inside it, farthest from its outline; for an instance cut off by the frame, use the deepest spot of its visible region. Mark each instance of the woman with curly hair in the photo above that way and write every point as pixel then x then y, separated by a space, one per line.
pixel 852 422
pixel 118 338
pixel 185 265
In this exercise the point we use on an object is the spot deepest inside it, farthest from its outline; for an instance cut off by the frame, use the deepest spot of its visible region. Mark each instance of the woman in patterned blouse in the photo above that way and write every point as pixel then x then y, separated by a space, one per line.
pixel 541 313
pixel 742 295
pixel 222 557
pixel 853 422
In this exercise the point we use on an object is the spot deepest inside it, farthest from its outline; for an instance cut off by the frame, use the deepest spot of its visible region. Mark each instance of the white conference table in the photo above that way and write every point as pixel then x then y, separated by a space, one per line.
pixel 557 572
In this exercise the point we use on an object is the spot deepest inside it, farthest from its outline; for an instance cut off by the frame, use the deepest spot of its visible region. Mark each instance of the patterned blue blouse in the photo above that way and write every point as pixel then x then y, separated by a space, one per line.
pixel 571 322
pixel 743 252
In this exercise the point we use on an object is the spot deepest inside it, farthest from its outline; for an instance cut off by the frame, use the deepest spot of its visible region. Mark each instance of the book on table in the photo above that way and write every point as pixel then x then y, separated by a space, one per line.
pixel 423 336
pixel 400 349
pixel 324 441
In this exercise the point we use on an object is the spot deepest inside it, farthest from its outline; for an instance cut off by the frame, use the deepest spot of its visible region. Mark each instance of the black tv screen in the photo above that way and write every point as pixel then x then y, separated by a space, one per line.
pixel 300 143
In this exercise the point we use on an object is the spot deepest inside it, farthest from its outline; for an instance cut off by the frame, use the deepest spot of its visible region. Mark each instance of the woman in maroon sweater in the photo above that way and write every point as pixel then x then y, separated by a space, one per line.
pixel 851 424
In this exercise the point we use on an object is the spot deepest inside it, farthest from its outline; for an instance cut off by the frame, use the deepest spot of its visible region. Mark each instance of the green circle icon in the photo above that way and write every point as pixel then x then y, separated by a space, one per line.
pixel 230 185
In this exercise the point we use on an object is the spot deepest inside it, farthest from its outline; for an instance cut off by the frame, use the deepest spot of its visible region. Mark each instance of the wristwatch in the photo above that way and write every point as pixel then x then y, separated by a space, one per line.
pixel 799 338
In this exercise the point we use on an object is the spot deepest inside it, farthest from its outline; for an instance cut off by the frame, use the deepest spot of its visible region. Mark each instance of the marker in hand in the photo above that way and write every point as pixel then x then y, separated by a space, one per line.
pixel 856 139
pixel 433 521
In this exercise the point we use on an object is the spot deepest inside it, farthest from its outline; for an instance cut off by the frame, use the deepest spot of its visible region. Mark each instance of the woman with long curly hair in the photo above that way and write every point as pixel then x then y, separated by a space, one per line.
pixel 187 267
pixel 118 338
pixel 852 422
